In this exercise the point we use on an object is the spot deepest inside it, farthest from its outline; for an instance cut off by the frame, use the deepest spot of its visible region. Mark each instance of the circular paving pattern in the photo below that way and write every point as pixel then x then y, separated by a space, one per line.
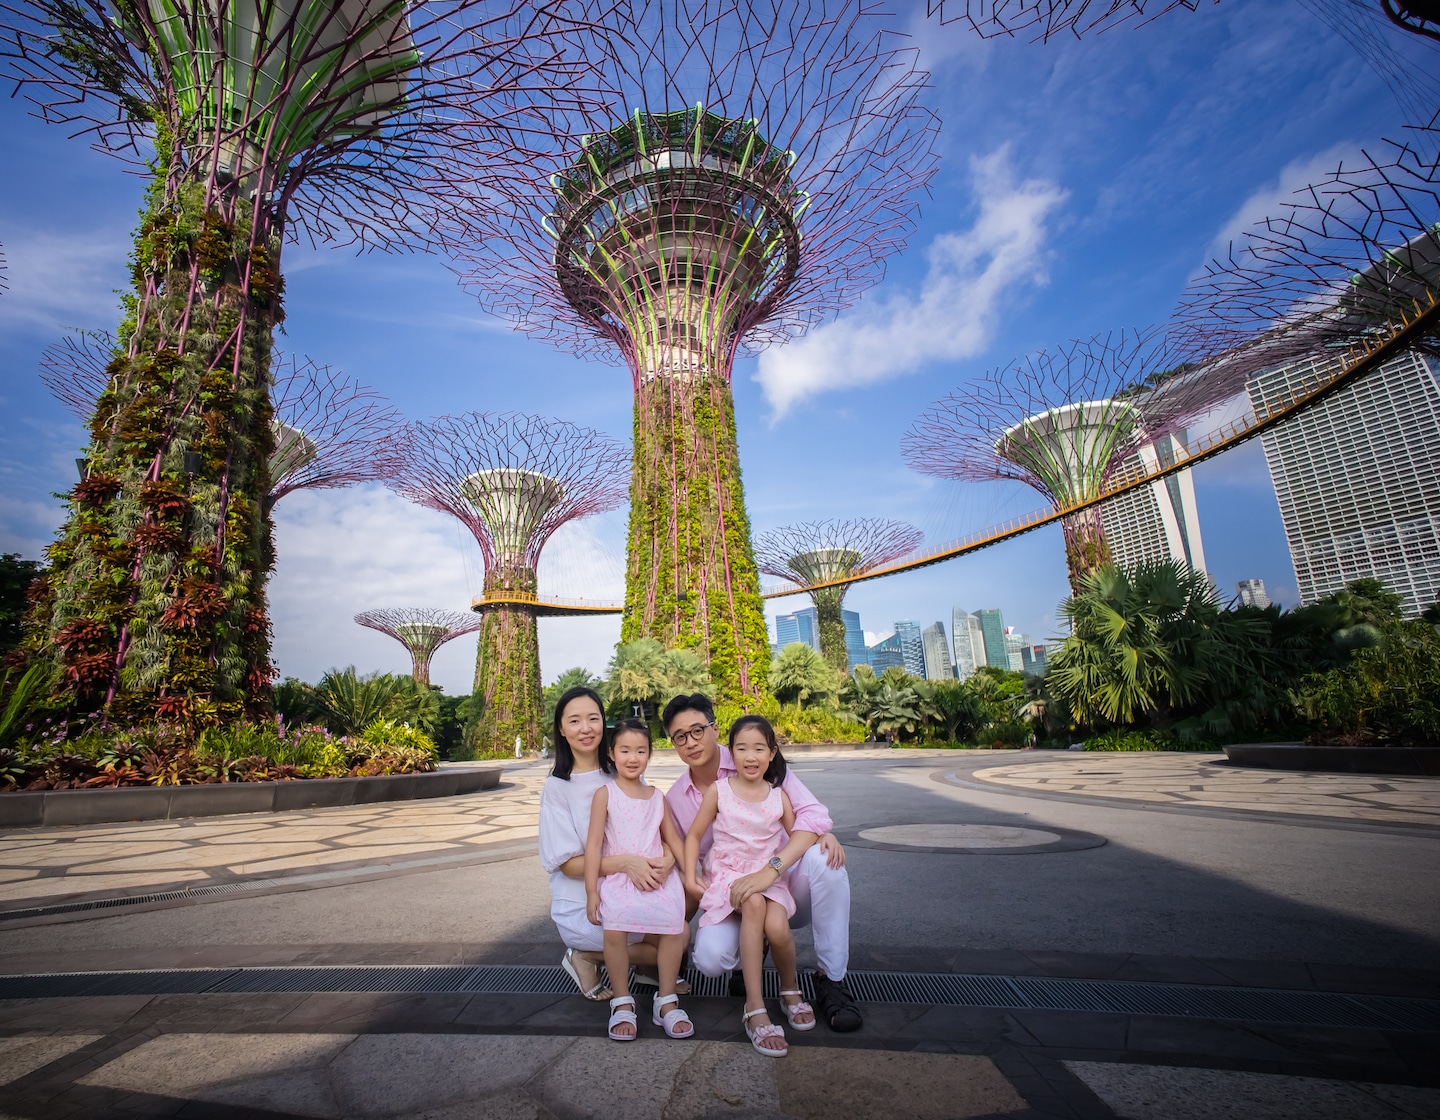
pixel 952 837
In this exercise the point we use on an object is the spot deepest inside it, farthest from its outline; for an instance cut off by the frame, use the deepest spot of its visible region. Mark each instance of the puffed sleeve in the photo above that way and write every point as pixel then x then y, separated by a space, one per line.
pixel 810 815
pixel 558 839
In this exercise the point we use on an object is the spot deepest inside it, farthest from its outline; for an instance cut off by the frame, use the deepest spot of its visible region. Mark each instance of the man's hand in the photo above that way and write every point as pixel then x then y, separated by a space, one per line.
pixel 834 853
pixel 643 872
pixel 756 882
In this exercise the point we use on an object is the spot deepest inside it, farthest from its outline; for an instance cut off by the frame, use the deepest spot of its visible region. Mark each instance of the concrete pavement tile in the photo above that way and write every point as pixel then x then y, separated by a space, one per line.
pixel 819 1084
pixel 1154 1034
pixel 1172 1093
pixel 205 1013
pixel 22 1055
pixel 97 1012
pixel 1264 974
pixel 365 1011
pixel 513 1104
pixel 182 1065
pixel 302 1093
pixel 389 1074
pixel 609 1080
pixel 506 1010
pixel 1160 969
pixel 1410 1100
pixel 1409 983
pixel 1090 966
pixel 722 1079
pixel 1080 1030
pixel 967 1024
pixel 1367 1052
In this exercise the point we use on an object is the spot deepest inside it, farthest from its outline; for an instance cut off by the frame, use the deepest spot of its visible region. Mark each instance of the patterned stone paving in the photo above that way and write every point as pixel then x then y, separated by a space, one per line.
pixel 1207 781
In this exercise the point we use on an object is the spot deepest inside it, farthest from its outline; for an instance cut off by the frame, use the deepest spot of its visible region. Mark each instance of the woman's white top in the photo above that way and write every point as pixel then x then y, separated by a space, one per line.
pixel 564 827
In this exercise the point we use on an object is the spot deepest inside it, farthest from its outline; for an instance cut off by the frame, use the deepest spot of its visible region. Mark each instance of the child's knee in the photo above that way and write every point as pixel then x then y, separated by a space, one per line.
pixel 754 906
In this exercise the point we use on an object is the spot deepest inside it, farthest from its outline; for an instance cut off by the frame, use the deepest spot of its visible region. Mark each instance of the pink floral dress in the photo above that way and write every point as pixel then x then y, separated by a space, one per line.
pixel 747 833
pixel 632 827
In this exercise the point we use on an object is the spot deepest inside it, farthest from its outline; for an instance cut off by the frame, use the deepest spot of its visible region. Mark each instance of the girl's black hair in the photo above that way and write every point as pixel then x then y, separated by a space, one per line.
pixel 564 756
pixel 607 762
pixel 775 772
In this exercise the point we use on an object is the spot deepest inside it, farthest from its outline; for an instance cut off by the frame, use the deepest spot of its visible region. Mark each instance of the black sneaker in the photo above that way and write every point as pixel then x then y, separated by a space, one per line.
pixel 836 1008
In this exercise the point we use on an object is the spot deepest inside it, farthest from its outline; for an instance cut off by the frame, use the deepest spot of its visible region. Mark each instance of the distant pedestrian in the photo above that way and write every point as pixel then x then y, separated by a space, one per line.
pixel 628 817
pixel 752 818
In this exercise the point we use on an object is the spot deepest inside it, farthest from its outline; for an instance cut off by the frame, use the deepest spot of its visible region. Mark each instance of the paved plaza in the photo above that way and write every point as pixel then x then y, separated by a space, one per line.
pixel 1036 934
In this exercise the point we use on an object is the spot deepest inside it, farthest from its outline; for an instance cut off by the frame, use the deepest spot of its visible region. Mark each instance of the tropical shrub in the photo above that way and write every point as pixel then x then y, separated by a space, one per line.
pixel 1132 739
pixel 1388 693
pixel 818 724
pixel 800 675
pixel 348 703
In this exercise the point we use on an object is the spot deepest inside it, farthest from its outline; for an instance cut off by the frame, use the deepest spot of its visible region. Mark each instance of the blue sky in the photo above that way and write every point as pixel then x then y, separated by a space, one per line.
pixel 1081 184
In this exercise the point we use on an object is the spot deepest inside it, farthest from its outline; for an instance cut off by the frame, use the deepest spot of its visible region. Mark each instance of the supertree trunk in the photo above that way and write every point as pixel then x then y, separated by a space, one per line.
pixel 1086 548
pixel 831 624
pixel 691 579
pixel 507 665
pixel 154 604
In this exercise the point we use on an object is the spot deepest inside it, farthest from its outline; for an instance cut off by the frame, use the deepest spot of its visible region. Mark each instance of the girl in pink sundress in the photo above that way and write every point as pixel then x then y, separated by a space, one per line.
pixel 628 817
pixel 753 817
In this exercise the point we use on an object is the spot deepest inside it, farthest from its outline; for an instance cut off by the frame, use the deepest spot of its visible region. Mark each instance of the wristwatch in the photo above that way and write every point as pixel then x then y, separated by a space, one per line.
pixel 774 864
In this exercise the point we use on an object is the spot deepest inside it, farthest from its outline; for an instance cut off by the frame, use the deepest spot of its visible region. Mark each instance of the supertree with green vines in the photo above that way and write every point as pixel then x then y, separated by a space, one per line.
pixel 351 121
pixel 512 480
pixel 772 158
pixel 822 556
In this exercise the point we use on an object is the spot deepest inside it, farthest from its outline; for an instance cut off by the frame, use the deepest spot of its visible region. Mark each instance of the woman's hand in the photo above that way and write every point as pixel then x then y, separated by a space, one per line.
pixel 592 907
pixel 644 873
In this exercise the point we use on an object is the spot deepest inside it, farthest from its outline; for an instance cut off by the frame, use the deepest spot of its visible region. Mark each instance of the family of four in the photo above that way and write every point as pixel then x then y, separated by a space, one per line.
pixel 738 839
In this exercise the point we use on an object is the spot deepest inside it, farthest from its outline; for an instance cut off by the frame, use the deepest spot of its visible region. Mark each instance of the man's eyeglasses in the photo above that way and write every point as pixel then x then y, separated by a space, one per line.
pixel 680 738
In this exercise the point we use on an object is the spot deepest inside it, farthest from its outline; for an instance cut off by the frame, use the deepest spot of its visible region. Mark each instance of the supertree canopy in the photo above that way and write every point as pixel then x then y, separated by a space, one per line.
pixel 512 480
pixel 1348 258
pixel 421 630
pixel 1061 421
pixel 830 552
pixel 772 158
pixel 356 121
pixel 1043 19
pixel 327 428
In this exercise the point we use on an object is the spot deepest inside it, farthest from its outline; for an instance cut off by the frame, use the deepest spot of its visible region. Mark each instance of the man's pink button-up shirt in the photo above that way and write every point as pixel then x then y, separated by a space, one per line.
pixel 684 801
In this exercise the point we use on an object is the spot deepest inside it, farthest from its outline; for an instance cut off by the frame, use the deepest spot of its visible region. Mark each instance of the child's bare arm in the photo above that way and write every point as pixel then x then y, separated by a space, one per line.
pixel 787 813
pixel 670 836
pixel 703 820
pixel 594 842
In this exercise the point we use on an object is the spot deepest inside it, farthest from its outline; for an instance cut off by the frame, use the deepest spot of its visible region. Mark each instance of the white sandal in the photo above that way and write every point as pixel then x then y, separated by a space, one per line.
pixel 668 1019
pixel 760 1034
pixel 620 1013
pixel 799 1007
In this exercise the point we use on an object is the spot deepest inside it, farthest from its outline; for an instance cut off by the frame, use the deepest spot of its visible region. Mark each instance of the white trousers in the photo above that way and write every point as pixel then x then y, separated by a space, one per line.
pixel 575 928
pixel 822 900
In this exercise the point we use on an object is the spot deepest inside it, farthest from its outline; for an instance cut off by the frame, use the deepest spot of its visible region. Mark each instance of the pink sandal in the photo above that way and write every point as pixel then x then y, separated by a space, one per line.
pixel 799 1007
pixel 760 1034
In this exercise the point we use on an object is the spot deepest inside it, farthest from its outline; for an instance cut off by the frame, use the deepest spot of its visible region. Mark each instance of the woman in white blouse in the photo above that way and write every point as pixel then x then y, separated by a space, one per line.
pixel 564 823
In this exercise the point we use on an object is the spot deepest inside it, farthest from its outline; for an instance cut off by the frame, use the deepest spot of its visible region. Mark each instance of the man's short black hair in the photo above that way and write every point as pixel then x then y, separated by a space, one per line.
pixel 695 702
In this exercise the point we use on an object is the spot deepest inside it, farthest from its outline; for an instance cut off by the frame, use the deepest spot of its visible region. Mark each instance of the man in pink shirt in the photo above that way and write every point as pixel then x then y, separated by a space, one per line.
pixel 812 862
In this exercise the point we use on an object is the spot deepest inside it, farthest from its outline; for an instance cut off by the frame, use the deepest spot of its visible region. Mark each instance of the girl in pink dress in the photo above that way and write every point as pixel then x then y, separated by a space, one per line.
pixel 753 817
pixel 628 817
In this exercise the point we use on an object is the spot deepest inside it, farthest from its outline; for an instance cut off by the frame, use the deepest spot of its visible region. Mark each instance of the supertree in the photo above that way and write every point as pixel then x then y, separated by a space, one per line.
pixel 1347 259
pixel 1062 421
pixel 421 630
pixel 829 552
pixel 512 480
pixel 328 429
pixel 774 159
pixel 350 121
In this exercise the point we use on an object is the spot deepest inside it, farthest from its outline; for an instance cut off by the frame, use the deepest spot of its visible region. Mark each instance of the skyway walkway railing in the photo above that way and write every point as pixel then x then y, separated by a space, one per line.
pixel 1323 380
pixel 546 604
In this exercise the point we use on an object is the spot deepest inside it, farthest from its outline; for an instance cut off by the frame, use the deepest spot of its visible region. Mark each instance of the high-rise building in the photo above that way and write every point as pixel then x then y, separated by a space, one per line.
pixel 1358 478
pixel 854 638
pixel 992 630
pixel 1032 660
pixel 1014 643
pixel 968 643
pixel 885 653
pixel 912 646
pixel 937 652
pixel 798 626
pixel 1252 593
pixel 1158 521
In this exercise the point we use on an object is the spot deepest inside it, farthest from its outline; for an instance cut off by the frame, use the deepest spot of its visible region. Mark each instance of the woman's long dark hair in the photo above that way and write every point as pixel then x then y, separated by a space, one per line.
pixel 607 760
pixel 775 772
pixel 564 756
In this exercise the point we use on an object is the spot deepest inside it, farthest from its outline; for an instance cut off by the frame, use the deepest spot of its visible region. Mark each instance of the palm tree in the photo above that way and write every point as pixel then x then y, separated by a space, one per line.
pixel 895 710
pixel 349 703
pixel 800 674
pixel 644 672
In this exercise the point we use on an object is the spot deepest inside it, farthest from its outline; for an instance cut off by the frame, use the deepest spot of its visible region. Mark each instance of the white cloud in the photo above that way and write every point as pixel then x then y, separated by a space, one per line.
pixel 954 314
pixel 62 280
pixel 343 551
pixel 1268 200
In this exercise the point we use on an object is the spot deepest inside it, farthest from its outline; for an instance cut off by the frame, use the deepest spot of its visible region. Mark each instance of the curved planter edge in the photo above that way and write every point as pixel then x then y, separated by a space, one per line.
pixel 150 803
pixel 1415 761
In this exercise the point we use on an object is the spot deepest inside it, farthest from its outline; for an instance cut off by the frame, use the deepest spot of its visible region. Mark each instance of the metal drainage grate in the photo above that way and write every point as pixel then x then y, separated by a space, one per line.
pixel 1013 992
